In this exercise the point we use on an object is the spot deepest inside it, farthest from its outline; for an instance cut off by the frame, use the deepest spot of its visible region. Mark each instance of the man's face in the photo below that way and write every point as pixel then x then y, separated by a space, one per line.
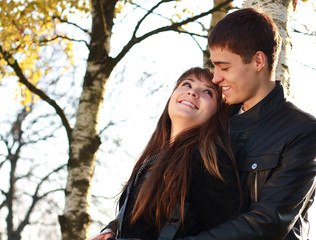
pixel 238 80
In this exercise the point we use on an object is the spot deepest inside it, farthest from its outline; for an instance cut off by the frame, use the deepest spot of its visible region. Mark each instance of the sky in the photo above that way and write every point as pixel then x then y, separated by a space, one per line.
pixel 163 58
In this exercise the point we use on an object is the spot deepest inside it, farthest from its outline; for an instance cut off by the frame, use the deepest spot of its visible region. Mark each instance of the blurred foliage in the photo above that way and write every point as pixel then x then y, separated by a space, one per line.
pixel 27 27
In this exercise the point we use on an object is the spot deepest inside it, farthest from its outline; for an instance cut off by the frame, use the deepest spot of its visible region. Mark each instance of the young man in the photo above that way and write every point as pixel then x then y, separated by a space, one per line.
pixel 274 142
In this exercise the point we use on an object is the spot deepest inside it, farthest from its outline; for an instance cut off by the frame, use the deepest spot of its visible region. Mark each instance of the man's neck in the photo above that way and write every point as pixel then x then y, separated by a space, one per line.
pixel 265 90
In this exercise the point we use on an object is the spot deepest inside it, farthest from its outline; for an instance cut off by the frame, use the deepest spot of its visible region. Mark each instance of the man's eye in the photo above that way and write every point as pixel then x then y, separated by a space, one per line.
pixel 224 69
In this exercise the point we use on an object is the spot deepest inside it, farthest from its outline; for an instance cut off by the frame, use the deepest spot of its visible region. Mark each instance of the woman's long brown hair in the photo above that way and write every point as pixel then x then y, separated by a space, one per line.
pixel 168 181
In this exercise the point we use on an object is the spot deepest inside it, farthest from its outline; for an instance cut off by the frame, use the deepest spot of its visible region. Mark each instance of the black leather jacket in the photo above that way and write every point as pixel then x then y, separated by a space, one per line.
pixel 275 146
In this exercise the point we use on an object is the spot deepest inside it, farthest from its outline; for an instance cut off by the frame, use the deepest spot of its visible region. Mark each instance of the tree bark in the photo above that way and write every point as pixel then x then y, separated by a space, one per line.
pixel 216 16
pixel 281 12
pixel 85 141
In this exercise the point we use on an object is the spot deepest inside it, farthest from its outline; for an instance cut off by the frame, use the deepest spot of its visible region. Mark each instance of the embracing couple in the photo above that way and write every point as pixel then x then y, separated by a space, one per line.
pixel 242 167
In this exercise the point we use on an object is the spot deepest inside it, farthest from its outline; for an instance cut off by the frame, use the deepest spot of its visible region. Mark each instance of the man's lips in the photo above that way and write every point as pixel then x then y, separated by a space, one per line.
pixel 225 89
pixel 189 103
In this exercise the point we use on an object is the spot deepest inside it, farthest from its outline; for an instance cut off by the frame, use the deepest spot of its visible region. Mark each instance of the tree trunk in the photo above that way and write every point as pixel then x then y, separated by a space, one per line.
pixel 281 12
pixel 216 16
pixel 85 141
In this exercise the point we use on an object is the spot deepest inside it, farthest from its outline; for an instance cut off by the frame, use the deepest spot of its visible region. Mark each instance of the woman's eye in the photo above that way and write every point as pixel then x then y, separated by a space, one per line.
pixel 209 92
pixel 186 84
pixel 224 69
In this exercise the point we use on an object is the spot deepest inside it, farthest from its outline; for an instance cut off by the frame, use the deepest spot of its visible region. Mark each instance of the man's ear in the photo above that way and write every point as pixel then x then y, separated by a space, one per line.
pixel 259 60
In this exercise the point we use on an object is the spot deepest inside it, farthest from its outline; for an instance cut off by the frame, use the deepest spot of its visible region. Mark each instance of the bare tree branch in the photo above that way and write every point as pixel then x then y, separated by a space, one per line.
pixel 36 198
pixel 71 23
pixel 147 14
pixel 14 64
pixel 305 65
pixel 106 127
pixel 173 27
pixel 305 33
pixel 64 37
pixel 139 6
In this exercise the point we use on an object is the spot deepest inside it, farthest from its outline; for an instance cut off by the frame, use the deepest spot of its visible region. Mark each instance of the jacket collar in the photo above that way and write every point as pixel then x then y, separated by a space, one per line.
pixel 267 106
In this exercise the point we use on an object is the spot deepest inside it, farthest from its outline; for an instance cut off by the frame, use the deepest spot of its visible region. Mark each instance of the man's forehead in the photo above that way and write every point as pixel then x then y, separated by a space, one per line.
pixel 222 55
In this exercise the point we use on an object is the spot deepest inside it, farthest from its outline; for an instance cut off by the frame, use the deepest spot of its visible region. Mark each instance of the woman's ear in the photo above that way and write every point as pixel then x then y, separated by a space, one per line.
pixel 259 60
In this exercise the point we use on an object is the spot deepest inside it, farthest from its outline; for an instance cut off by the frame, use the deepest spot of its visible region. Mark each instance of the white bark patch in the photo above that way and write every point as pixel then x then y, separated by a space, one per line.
pixel 282 15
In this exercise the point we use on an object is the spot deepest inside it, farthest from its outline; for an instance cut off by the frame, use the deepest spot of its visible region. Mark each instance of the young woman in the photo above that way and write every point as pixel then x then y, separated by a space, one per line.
pixel 185 181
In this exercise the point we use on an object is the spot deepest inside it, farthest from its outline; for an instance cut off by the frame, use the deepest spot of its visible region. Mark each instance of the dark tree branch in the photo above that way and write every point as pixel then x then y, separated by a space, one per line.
pixel 106 127
pixel 14 64
pixel 71 23
pixel 36 198
pixel 140 7
pixel 305 33
pixel 305 65
pixel 173 27
pixel 49 192
pixel 1 163
pixel 158 14
pixel 4 203
pixel 147 14
pixel 63 37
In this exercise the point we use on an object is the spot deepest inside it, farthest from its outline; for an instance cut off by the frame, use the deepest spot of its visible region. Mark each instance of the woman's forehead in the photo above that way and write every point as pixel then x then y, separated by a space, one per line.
pixel 202 78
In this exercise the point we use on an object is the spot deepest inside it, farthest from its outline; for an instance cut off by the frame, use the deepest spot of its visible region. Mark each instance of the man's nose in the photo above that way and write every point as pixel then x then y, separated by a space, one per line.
pixel 217 78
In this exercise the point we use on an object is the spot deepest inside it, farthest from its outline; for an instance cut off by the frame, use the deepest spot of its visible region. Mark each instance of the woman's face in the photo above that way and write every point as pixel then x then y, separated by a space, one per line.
pixel 192 103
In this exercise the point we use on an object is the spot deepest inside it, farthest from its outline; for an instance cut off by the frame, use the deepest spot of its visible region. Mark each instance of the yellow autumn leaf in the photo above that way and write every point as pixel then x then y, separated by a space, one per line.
pixel 11 60
pixel 118 9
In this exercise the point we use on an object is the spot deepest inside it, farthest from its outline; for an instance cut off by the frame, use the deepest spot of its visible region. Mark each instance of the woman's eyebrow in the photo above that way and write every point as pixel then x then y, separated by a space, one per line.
pixel 193 80
pixel 210 86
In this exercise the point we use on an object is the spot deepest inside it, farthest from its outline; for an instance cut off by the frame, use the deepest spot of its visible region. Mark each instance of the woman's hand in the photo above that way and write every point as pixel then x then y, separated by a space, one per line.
pixel 104 236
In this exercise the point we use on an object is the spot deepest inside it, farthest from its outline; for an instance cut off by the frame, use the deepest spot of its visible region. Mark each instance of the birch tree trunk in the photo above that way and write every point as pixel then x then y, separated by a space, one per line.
pixel 85 141
pixel 216 16
pixel 281 12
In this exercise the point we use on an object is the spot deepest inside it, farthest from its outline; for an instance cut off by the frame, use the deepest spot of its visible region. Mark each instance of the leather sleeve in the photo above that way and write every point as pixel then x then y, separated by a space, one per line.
pixel 283 197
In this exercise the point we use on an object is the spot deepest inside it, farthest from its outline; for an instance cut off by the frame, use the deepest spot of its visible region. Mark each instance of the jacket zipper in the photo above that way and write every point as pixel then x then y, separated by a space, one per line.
pixel 256 187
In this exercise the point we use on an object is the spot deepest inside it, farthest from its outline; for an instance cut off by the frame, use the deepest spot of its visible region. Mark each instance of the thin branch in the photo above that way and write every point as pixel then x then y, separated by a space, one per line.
pixel 4 203
pixel 3 192
pixel 305 65
pixel 158 14
pixel 106 127
pixel 102 197
pixel 47 176
pixel 3 162
pixel 34 141
pixel 63 37
pixel 147 14
pixel 305 33
pixel 193 37
pixel 71 23
pixel 49 192
pixel 173 27
pixel 190 33
pixel 14 64
pixel 197 43
pixel 36 198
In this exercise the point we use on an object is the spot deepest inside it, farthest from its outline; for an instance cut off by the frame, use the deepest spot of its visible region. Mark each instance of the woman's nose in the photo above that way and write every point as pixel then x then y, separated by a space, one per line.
pixel 192 92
